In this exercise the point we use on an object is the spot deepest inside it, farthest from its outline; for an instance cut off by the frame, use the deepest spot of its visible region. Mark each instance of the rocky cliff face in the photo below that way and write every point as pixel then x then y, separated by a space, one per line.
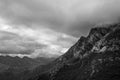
pixel 95 57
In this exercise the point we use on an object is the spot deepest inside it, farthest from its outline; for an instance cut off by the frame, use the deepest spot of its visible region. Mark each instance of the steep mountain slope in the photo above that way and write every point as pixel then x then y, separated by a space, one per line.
pixel 95 57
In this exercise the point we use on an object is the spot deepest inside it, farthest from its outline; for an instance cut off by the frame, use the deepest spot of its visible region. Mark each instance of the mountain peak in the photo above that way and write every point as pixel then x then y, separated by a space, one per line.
pixel 95 57
pixel 101 45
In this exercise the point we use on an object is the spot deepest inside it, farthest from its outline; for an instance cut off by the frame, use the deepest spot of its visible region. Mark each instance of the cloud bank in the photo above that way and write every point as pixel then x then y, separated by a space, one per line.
pixel 68 16
pixel 30 42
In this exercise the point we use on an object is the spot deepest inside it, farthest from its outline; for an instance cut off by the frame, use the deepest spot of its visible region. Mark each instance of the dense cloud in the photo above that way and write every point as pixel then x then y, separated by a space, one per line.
pixel 70 16
pixel 31 42
pixel 51 25
pixel 11 43
pixel 31 12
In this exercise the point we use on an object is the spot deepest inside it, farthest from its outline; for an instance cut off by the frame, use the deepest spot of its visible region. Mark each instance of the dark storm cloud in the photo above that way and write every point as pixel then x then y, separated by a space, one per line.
pixel 74 17
pixel 97 11
pixel 30 12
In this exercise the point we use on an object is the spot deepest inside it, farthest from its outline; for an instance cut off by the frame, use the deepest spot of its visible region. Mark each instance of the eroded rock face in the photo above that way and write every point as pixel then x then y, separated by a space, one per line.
pixel 95 57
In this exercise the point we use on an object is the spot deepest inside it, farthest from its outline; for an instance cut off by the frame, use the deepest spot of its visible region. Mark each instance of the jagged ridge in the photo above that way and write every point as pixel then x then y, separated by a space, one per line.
pixel 95 57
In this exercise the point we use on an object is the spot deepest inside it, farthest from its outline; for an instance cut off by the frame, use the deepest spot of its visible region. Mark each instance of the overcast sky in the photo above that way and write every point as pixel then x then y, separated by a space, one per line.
pixel 49 27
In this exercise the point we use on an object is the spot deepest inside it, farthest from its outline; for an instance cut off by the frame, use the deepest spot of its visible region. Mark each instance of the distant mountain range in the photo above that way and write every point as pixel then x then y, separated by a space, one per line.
pixel 12 67
pixel 95 57
pixel 23 62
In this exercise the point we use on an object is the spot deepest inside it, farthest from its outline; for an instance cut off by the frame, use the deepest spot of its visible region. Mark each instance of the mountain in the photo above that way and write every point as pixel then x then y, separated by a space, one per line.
pixel 17 61
pixel 23 62
pixel 95 57
pixel 16 68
